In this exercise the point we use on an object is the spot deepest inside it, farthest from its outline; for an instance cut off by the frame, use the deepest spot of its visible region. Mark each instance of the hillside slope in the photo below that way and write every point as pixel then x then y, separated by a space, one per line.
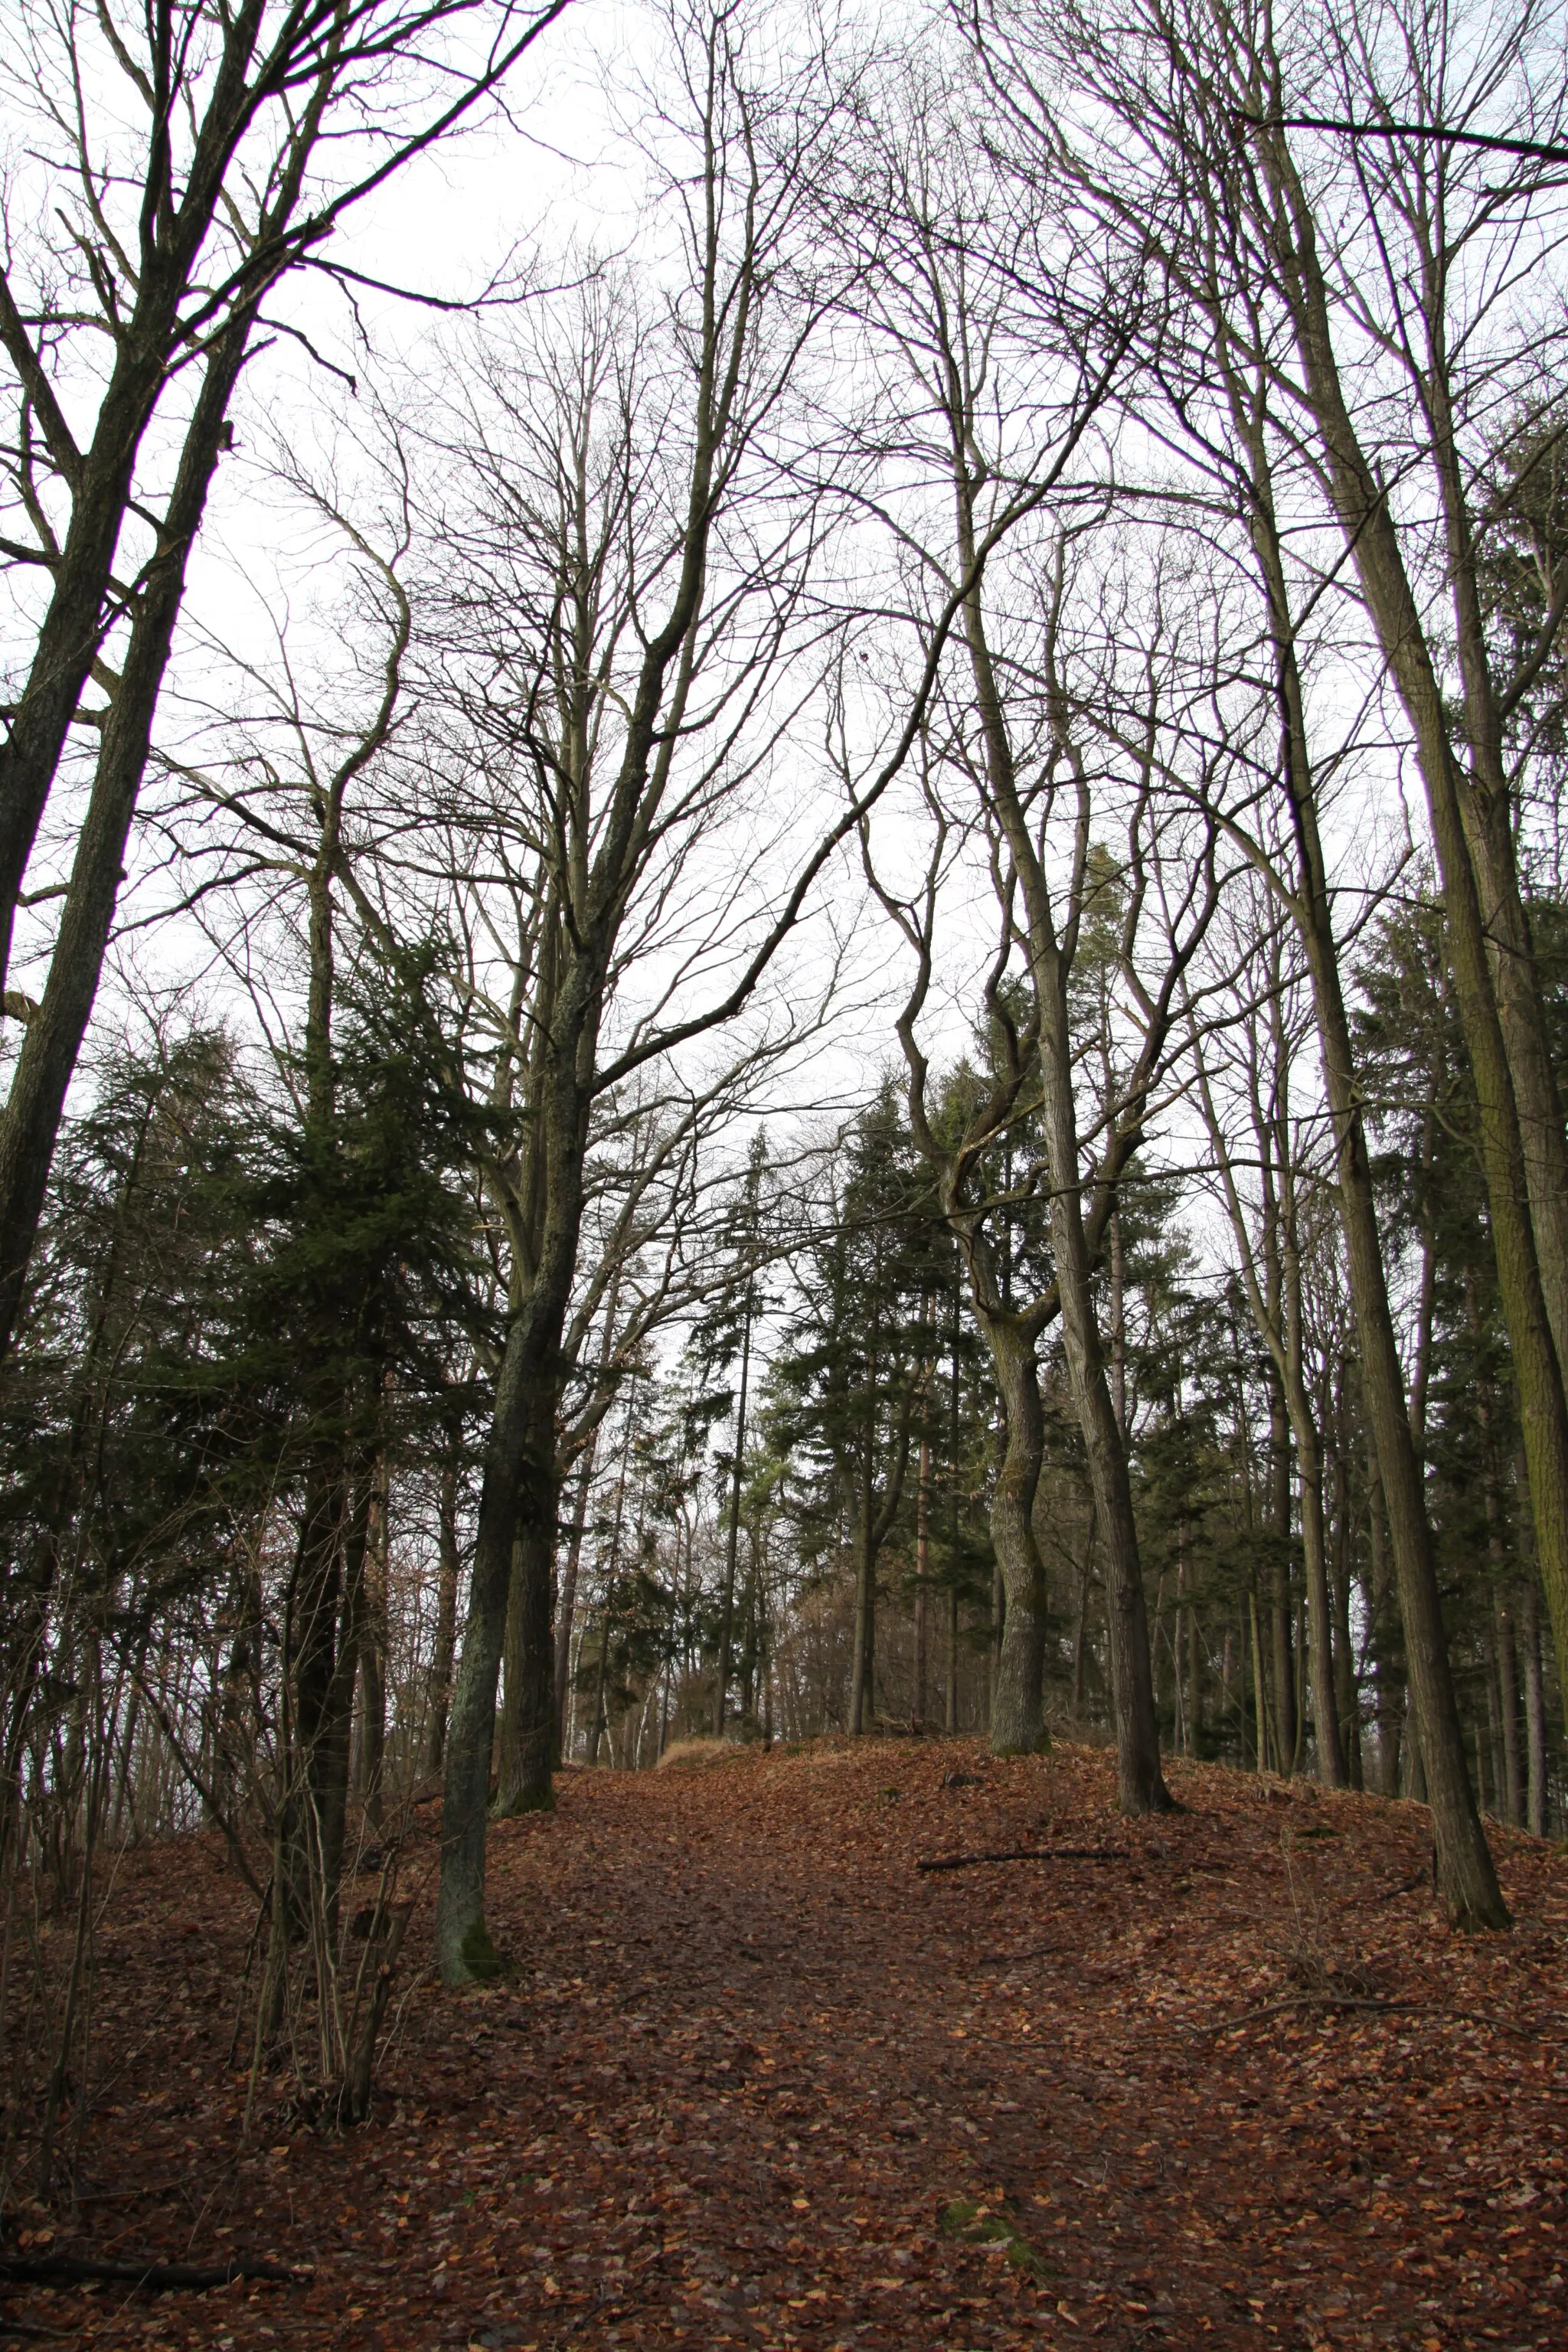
pixel 1224 2079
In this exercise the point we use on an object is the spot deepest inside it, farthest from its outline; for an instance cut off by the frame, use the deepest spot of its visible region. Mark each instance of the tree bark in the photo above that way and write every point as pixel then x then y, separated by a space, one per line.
pixel 440 1699
pixel 733 1533
pixel 1372 537
pixel 1534 1711
pixel 1465 1874
pixel 51 1041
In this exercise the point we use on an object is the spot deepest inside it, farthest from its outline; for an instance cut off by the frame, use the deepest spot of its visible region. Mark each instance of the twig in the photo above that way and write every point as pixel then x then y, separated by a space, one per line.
pixel 75 2269
pixel 1027 1853
pixel 1405 1886
pixel 1336 2000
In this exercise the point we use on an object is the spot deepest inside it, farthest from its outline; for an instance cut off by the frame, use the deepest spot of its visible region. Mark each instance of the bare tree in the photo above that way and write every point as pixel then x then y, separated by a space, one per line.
pixel 1254 1056
pixel 619 686
pixel 989 394
pixel 192 159
pixel 1181 201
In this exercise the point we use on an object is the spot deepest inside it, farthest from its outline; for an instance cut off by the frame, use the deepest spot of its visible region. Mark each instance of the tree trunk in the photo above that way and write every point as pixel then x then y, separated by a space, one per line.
pixel 52 1038
pixel 516 1500
pixel 950 1696
pixel 1371 537
pixel 528 1732
pixel 865 1655
pixel 566 1611
pixel 373 1660
pixel 1534 1711
pixel 733 1533
pixel 440 1698
pixel 922 1584
pixel 1282 1661
pixel 1018 1706
pixel 1464 1870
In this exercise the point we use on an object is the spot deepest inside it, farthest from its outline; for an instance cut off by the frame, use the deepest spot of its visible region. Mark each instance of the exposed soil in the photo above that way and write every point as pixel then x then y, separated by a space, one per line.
pixel 1225 2080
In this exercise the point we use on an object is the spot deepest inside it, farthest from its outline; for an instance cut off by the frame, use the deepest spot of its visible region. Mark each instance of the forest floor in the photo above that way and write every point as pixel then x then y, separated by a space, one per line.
pixel 1224 2079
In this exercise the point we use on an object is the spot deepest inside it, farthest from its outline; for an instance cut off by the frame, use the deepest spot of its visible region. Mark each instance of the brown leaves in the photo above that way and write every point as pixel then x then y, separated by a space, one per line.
pixel 754 2057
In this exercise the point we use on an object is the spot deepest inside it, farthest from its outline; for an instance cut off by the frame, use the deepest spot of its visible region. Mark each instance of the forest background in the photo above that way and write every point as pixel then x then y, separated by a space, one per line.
pixel 784 924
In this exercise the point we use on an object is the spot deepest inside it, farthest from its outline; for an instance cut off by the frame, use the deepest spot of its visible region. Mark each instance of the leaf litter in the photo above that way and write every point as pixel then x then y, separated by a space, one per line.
pixel 757 2080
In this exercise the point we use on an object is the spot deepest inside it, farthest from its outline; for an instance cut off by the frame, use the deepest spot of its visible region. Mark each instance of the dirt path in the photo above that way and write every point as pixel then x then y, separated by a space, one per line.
pixel 760 2075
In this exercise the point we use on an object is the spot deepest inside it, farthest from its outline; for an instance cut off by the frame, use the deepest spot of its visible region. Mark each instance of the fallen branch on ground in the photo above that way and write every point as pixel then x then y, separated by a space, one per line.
pixel 1027 1853
pixel 78 2270
pixel 1405 1886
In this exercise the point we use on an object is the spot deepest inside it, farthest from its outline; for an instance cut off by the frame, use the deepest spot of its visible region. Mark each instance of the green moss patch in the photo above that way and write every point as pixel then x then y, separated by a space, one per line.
pixel 990 2225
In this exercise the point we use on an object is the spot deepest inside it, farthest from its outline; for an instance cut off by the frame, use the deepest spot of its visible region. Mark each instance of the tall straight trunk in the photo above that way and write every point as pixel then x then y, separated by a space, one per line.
pixel 445 1651
pixel 1331 1768
pixel 1342 1577
pixel 1388 1679
pixel 1018 1606
pixel 1426 1287
pixel 1503 1697
pixel 1486 812
pixel 1465 1869
pixel 864 1664
pixel 949 1699
pixel 566 1610
pixel 1141 1785
pixel 1139 1781
pixel 1331 1758
pixel 732 1532
pixel 528 1736
pixel 1260 1687
pixel 1372 537
pixel 518 1503
pixel 1080 1630
pixel 309 1666
pixel 597 1727
pixel 372 1659
pixel 1277 1310
pixel 922 1582
pixel 1195 1683
pixel 1282 1665
pixel 1508 1711
pixel 1535 1710
pixel 328 1758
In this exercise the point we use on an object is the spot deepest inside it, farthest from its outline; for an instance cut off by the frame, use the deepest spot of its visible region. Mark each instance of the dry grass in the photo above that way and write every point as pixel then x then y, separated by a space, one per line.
pixel 688 1754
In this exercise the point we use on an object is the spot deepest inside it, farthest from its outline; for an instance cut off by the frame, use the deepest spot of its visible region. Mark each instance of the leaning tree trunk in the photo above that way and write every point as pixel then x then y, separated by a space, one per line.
pixel 52 1039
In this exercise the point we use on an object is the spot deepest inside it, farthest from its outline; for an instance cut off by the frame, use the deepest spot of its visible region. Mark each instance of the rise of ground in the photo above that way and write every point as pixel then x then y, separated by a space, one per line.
pixel 756 2078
